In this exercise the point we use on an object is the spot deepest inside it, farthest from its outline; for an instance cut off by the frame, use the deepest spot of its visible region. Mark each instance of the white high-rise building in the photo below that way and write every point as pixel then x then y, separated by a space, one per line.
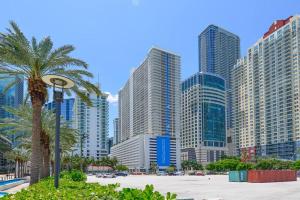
pixel 92 123
pixel 149 106
pixel 266 97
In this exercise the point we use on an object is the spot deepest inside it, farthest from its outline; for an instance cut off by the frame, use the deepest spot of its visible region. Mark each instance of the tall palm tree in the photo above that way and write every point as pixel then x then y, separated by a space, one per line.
pixel 23 123
pixel 33 60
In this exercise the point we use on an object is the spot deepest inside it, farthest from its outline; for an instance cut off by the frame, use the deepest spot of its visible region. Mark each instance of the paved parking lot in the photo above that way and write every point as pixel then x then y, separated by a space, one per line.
pixel 211 187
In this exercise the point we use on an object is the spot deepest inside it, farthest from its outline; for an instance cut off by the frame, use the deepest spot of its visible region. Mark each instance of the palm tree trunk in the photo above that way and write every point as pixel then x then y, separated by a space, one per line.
pixel 36 141
pixel 46 162
pixel 52 168
pixel 15 168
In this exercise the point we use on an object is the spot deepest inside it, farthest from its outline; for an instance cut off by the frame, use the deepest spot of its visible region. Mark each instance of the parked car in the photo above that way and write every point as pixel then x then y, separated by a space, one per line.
pixel 161 173
pixel 110 175
pixel 179 173
pixel 99 175
pixel 199 174
pixel 121 174
pixel 137 173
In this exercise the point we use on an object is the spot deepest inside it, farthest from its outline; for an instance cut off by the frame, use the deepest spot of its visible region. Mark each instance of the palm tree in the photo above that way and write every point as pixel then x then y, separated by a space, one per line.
pixel 32 60
pixel 23 123
pixel 20 157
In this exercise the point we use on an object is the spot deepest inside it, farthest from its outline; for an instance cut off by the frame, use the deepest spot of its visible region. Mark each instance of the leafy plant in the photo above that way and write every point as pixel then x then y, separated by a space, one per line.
pixel 121 168
pixel 74 175
pixel 244 166
pixel 296 165
pixel 72 190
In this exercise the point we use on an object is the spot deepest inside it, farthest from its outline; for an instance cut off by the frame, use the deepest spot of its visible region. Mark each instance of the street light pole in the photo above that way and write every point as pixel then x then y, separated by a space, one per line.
pixel 59 83
pixel 58 97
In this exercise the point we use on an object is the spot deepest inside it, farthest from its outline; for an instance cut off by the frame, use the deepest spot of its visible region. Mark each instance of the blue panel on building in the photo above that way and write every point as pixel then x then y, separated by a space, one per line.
pixel 163 151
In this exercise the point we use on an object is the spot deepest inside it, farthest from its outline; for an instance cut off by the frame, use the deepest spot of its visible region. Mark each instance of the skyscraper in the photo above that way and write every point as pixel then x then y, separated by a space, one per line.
pixel 203 122
pixel 117 132
pixel 218 52
pixel 266 116
pixel 13 97
pixel 149 106
pixel 92 123
pixel 66 108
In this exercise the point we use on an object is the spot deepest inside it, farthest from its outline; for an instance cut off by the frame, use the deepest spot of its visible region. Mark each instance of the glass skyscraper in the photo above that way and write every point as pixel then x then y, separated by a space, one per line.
pixel 66 108
pixel 218 52
pixel 203 121
pixel 13 97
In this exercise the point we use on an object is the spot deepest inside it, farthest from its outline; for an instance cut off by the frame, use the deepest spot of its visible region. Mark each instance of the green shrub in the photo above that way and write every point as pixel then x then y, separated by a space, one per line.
pixel 296 165
pixel 71 190
pixel 74 175
pixel 244 166
pixel 147 193
pixel 121 168
pixel 211 167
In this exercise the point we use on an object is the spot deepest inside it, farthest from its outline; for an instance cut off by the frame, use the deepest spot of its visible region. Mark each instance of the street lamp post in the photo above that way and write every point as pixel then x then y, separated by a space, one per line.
pixel 59 83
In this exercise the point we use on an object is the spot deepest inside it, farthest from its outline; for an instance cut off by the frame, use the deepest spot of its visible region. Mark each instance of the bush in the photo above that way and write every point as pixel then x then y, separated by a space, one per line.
pixel 296 165
pixel 121 168
pixel 244 166
pixel 70 190
pixel 74 175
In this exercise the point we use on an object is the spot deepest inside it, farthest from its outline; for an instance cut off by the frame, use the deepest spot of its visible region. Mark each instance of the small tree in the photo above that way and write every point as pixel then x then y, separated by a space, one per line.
pixel 170 169
pixel 211 167
pixel 153 167
pixel 121 168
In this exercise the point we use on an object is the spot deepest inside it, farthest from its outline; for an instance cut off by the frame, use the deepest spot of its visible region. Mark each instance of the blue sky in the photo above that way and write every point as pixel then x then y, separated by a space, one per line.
pixel 113 36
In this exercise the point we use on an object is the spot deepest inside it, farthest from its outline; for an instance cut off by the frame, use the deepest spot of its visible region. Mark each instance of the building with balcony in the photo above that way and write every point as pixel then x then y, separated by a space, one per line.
pixel 149 106
pixel 266 97
pixel 92 124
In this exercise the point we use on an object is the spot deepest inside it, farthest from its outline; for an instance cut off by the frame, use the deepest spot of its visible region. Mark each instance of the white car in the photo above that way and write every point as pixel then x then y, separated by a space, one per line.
pixel 179 173
pixel 109 176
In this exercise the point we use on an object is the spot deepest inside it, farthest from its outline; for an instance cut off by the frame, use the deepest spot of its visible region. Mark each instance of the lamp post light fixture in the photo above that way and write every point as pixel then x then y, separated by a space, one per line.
pixel 59 83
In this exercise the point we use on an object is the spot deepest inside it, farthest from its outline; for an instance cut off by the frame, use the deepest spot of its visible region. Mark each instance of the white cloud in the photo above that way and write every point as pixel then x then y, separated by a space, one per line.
pixel 135 2
pixel 113 99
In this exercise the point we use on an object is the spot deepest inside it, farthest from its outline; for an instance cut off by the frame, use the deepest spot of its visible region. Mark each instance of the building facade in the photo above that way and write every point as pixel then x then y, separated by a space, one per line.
pixel 13 97
pixel 92 123
pixel 219 50
pixel 149 104
pixel 203 118
pixel 66 108
pixel 266 116
pixel 117 132
pixel 6 144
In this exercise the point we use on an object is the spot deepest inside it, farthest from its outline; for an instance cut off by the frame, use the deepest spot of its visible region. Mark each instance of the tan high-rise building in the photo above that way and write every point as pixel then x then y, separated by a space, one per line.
pixel 266 96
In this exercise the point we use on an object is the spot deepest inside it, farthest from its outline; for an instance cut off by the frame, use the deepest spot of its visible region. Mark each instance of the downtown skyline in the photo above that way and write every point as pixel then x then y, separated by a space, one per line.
pixel 96 30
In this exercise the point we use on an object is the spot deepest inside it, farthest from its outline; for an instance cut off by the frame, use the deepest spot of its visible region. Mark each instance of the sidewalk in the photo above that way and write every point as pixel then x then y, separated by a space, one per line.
pixel 17 188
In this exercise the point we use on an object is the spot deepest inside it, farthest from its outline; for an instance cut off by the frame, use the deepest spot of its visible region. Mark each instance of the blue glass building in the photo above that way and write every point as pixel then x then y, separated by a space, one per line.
pixel 203 118
pixel 66 108
pixel 13 97
pixel 218 53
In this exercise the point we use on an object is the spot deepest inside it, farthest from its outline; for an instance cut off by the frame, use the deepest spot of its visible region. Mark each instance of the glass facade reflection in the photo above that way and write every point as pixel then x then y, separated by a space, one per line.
pixel 214 133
